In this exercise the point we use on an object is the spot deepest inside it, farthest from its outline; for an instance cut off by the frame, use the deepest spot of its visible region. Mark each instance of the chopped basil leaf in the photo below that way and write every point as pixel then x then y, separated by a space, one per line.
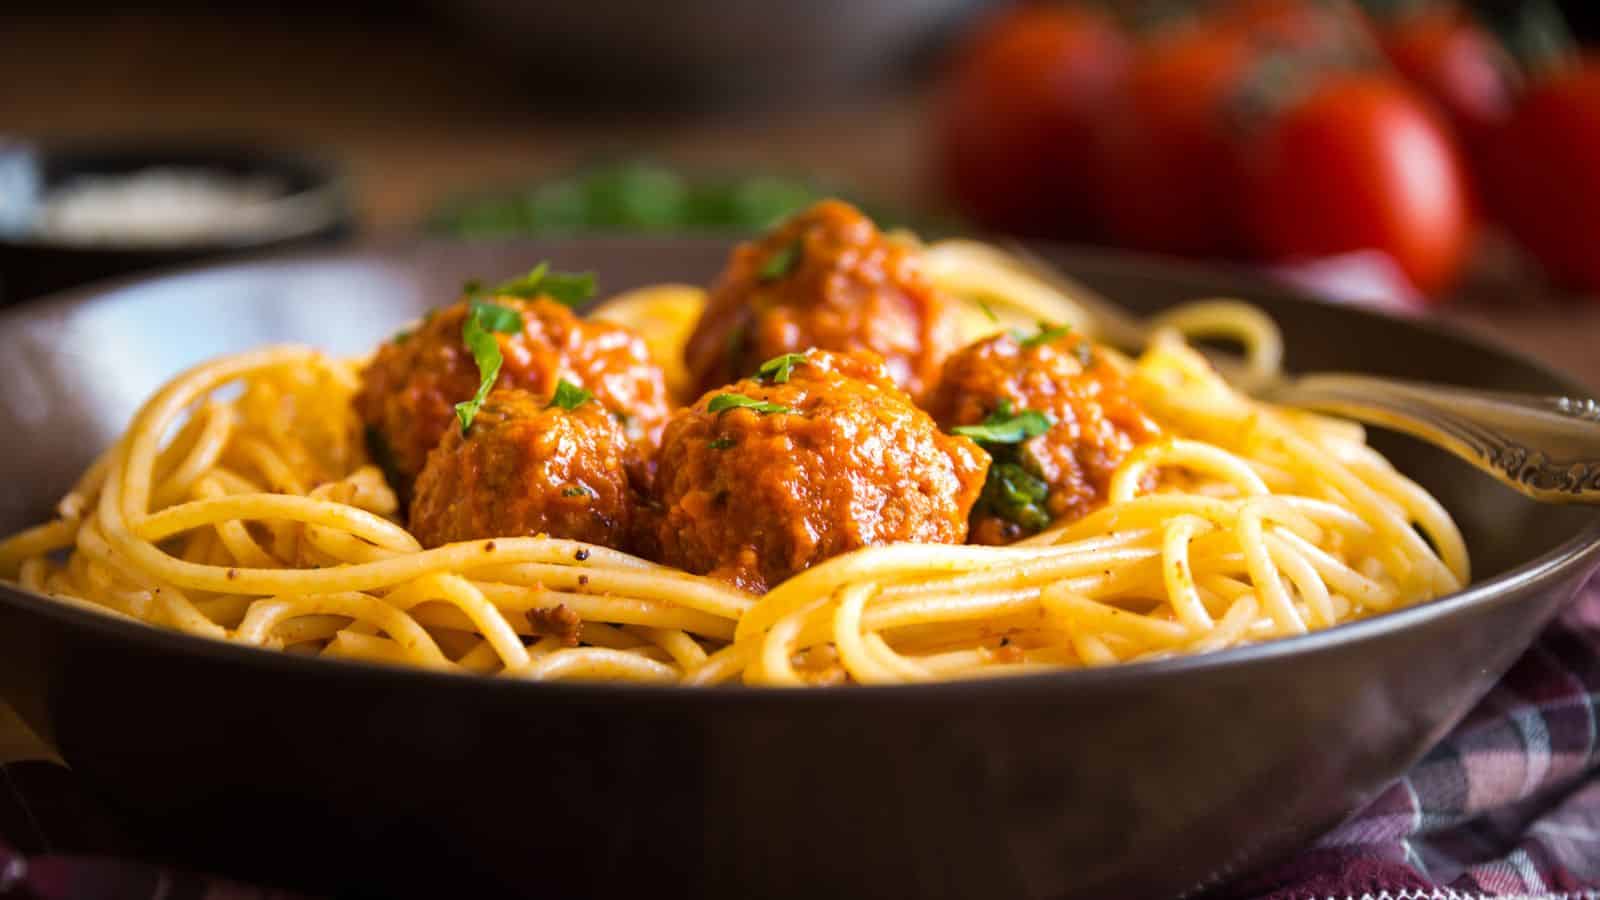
pixel 722 402
pixel 722 443
pixel 569 396
pixel 494 317
pixel 781 263
pixel 472 286
pixel 987 310
pixel 776 370
pixel 402 337
pixel 526 286
pixel 1047 333
pixel 1016 495
pixel 576 490
pixel 568 288
pixel 478 333
pixel 1003 426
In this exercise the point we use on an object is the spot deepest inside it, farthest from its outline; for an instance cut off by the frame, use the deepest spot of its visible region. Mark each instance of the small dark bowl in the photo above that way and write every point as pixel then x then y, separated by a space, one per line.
pixel 33 263
pixel 705 53
pixel 1139 781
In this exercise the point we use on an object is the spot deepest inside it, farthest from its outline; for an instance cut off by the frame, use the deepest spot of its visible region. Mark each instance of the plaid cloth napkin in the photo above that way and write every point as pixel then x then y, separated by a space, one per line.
pixel 1508 805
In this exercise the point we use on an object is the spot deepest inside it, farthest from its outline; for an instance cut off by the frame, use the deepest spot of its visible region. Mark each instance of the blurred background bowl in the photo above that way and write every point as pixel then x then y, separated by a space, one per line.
pixel 708 52
pixel 295 200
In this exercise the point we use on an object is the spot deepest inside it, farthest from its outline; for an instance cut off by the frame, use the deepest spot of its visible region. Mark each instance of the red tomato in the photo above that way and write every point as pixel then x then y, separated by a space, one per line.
pixel 1014 122
pixel 1546 174
pixel 1360 162
pixel 1169 175
pixel 1456 63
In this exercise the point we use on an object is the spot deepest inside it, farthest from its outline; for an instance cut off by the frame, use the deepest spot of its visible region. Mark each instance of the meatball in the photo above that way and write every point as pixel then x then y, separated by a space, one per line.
pixel 1063 472
pixel 527 467
pixel 820 456
pixel 826 279
pixel 410 388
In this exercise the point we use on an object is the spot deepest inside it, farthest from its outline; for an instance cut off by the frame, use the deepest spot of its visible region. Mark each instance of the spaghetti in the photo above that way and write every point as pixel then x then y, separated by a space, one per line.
pixel 240 506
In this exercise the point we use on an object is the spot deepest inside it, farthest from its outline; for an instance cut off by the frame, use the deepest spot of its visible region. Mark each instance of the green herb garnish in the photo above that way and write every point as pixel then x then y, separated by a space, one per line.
pixel 723 402
pixel 483 321
pixel 494 317
pixel 1003 426
pixel 1010 491
pixel 776 370
pixel 576 490
pixel 987 310
pixel 402 337
pixel 1047 333
pixel 569 396
pixel 722 443
pixel 1016 495
pixel 781 263
pixel 567 288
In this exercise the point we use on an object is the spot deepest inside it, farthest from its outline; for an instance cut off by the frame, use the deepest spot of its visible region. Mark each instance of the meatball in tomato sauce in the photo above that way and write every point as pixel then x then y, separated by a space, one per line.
pixel 527 466
pixel 410 388
pixel 1055 414
pixel 827 279
pixel 817 455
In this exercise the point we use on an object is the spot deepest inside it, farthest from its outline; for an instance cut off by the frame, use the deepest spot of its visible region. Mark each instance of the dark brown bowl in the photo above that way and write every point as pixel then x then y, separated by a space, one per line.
pixel 1145 780
pixel 33 264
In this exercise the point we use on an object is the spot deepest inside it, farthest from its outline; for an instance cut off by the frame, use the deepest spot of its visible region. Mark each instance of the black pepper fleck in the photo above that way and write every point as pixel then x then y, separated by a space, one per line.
pixel 581 555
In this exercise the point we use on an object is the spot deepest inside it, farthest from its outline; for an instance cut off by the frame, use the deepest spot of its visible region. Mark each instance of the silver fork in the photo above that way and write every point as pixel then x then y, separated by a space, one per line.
pixel 1545 447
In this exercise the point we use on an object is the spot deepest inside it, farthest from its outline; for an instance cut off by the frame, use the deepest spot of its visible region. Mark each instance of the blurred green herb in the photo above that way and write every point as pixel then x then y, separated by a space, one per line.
pixel 636 196
pixel 383 455
pixel 1046 334
pixel 781 263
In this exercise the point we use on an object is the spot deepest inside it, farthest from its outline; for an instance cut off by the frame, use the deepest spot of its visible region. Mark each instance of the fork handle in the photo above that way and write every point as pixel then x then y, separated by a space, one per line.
pixel 1545 447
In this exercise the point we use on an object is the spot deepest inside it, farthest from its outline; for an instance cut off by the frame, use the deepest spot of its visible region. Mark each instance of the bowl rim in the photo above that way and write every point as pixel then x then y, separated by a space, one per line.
pixel 327 195
pixel 1578 556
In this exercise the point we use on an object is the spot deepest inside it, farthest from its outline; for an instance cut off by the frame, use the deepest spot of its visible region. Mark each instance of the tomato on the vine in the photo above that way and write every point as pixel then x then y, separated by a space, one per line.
pixel 1357 162
pixel 1545 181
pixel 1456 62
pixel 1170 178
pixel 1014 121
